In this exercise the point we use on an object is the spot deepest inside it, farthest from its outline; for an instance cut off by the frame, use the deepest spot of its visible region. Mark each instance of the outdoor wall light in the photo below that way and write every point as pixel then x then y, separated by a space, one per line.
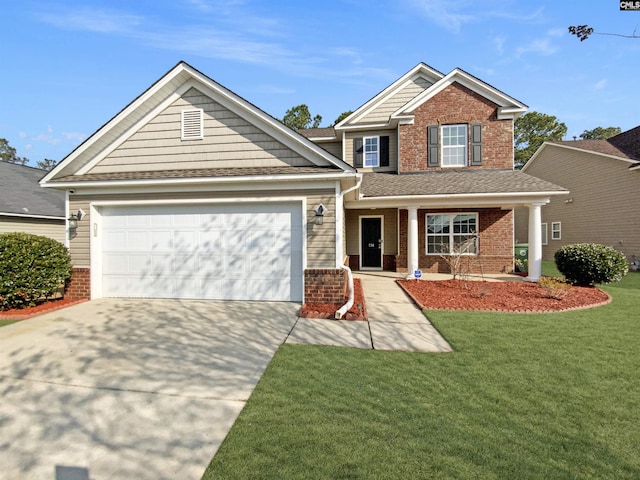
pixel 73 221
pixel 320 210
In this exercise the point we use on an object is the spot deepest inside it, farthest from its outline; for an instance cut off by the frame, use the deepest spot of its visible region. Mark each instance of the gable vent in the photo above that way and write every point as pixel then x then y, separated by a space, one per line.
pixel 192 128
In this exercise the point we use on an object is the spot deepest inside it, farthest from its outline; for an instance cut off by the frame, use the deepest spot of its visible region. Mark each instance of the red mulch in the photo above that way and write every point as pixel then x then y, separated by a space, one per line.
pixel 45 307
pixel 328 310
pixel 499 296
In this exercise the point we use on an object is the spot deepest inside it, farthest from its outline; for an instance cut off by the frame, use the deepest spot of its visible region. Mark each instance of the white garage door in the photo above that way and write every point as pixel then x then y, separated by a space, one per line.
pixel 223 252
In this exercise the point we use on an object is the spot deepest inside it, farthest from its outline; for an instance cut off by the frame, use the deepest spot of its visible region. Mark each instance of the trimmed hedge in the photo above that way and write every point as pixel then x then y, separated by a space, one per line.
pixel 590 263
pixel 32 267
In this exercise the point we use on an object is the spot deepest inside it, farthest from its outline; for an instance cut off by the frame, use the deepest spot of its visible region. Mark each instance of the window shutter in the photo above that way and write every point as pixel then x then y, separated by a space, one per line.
pixel 476 144
pixel 432 146
pixel 357 152
pixel 384 151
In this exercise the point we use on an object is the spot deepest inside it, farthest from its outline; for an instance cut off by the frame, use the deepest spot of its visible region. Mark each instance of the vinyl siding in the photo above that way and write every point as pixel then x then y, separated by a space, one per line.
pixel 54 229
pixel 390 230
pixel 605 194
pixel 229 141
pixel 393 149
pixel 334 148
pixel 411 90
pixel 321 250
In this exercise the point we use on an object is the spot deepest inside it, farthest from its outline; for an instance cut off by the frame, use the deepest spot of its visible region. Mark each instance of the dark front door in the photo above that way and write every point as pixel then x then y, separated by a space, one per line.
pixel 371 242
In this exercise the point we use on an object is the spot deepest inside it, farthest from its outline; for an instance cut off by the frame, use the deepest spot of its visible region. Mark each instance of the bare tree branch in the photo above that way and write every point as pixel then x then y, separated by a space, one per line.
pixel 585 31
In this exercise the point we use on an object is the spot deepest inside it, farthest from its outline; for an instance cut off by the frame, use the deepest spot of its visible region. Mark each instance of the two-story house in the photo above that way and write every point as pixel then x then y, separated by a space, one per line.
pixel 193 192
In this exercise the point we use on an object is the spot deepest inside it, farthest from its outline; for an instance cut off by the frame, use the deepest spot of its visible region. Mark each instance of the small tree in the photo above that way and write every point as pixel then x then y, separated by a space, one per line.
pixel 587 264
pixel 460 260
pixel 600 133
pixel 32 267
pixel 299 118
pixel 46 164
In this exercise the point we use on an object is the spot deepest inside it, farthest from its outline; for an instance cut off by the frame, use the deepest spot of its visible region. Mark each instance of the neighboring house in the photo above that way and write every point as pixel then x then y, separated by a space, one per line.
pixel 193 192
pixel 603 177
pixel 25 207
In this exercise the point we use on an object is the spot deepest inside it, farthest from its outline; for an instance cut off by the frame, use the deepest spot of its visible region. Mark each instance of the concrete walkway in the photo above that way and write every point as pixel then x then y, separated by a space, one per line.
pixel 395 322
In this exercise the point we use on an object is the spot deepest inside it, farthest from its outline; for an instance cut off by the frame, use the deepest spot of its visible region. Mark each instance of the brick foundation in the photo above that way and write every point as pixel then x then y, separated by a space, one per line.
pixel 324 285
pixel 79 285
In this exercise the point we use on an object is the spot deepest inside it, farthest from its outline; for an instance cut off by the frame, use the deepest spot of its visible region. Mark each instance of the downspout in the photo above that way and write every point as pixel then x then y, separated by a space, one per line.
pixel 345 308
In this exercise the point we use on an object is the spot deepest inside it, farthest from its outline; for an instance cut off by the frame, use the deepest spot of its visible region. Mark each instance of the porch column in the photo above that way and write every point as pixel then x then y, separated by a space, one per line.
pixel 535 242
pixel 412 241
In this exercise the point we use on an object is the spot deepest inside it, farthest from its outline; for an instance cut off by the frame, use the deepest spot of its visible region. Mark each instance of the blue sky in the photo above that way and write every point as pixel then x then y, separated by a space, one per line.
pixel 69 66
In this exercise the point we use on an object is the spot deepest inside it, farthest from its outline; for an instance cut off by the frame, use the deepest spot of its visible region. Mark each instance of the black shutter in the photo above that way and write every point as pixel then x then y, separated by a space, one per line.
pixel 357 152
pixel 432 146
pixel 476 144
pixel 384 151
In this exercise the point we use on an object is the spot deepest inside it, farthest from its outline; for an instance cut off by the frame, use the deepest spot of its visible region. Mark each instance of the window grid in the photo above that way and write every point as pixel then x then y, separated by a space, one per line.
pixel 371 152
pixel 454 145
pixel 556 231
pixel 452 234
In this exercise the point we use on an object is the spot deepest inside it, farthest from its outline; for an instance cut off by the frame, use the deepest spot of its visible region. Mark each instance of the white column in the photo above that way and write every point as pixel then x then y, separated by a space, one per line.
pixel 535 242
pixel 412 241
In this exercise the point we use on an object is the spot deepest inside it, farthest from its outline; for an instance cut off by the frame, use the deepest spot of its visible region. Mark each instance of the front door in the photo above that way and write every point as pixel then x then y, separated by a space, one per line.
pixel 370 242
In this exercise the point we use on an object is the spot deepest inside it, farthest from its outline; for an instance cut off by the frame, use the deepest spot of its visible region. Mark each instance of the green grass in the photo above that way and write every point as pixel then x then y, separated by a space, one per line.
pixel 6 322
pixel 523 396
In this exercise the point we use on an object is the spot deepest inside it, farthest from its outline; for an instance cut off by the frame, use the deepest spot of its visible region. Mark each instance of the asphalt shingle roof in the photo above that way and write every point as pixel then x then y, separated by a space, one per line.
pixel 20 192
pixel 456 182
pixel 623 145
pixel 196 173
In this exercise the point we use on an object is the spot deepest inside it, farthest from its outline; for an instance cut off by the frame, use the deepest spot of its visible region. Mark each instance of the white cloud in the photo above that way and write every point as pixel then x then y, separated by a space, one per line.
pixel 498 42
pixel 449 15
pixel 92 20
pixel 557 32
pixel 601 84
pixel 542 46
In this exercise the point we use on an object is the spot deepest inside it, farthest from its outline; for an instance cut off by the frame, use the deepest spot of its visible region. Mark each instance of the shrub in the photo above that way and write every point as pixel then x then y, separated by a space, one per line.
pixel 590 263
pixel 554 287
pixel 31 268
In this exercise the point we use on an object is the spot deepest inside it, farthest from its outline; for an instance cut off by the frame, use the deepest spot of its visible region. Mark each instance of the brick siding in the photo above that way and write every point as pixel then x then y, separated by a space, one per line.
pixel 457 104
pixel 324 285
pixel 79 285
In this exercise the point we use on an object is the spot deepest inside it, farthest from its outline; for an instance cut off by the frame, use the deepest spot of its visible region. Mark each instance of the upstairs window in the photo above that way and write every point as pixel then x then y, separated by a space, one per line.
pixel 454 145
pixel 192 124
pixel 371 152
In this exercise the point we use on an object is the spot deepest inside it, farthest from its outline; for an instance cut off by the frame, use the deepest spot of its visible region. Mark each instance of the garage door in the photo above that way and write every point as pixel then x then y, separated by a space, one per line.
pixel 223 252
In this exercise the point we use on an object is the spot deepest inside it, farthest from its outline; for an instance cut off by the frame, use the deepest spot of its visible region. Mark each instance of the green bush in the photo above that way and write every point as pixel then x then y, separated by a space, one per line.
pixel 591 263
pixel 31 268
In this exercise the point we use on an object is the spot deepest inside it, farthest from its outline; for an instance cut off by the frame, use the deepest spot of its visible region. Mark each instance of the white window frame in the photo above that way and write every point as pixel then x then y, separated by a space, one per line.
pixel 556 230
pixel 374 153
pixel 192 124
pixel 461 160
pixel 545 233
pixel 451 233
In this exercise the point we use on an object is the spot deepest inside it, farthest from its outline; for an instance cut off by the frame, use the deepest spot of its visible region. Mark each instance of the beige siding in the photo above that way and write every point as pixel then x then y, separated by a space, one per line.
pixel 35 226
pixel 390 230
pixel 383 111
pixel 393 149
pixel 334 148
pixel 321 250
pixel 229 141
pixel 605 197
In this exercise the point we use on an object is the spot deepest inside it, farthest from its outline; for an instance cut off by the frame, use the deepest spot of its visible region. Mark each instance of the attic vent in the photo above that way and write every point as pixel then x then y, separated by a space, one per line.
pixel 192 124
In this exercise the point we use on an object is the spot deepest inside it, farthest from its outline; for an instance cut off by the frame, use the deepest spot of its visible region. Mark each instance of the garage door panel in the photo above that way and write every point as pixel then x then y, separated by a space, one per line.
pixel 239 251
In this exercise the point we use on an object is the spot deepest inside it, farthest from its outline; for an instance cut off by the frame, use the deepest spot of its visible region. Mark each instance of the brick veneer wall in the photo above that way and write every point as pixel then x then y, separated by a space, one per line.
pixel 324 285
pixel 496 242
pixel 457 104
pixel 79 285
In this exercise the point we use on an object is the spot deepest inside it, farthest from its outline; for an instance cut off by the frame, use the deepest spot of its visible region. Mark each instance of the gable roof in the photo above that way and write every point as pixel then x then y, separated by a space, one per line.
pixel 21 195
pixel 157 97
pixel 508 107
pixel 624 146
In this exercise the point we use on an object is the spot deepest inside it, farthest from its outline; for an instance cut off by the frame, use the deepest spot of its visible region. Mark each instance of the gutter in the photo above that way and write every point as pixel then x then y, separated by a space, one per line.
pixel 345 308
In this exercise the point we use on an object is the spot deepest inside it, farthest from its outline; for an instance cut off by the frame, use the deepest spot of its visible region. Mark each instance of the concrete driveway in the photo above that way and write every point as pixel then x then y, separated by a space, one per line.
pixel 145 389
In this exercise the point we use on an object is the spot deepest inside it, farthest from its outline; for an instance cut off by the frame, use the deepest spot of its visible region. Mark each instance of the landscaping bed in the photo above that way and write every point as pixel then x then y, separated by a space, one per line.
pixel 327 310
pixel 44 307
pixel 501 296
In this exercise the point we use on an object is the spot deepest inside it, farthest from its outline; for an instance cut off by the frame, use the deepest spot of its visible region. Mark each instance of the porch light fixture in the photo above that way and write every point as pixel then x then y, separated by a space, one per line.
pixel 73 221
pixel 320 210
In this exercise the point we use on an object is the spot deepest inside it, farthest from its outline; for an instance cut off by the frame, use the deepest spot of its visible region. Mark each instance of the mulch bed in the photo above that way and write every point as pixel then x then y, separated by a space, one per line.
pixel 327 310
pixel 521 297
pixel 44 307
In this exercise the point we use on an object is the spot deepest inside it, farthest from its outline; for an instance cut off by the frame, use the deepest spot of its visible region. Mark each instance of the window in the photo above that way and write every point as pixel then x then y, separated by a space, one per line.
pixel 371 152
pixel 192 128
pixel 545 235
pixel 454 145
pixel 452 233
pixel 556 230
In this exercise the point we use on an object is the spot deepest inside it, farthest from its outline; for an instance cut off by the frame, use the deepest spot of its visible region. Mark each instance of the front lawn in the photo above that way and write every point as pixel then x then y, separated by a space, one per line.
pixel 523 396
pixel 6 322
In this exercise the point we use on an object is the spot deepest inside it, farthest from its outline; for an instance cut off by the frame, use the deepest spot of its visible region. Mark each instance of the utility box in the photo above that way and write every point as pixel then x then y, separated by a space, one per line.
pixel 521 252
